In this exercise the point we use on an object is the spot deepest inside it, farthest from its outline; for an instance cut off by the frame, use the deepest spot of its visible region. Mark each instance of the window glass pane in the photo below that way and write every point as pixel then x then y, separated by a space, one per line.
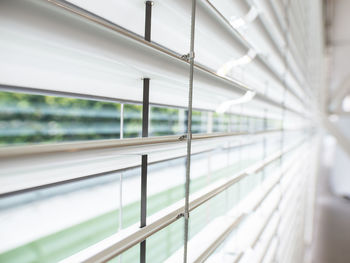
pixel 51 224
pixel 234 123
pixel 166 121
pixel 164 243
pixel 159 247
pixel 132 121
pixel 131 196
pixel 27 118
pixel 243 123
pixel 165 184
pixel 215 207
pixel 132 255
pixel 199 121
pixel 274 124
pixel 221 122
pixel 207 168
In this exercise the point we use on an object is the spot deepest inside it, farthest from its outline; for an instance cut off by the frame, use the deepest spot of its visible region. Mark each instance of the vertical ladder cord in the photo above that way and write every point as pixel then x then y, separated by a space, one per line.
pixel 189 129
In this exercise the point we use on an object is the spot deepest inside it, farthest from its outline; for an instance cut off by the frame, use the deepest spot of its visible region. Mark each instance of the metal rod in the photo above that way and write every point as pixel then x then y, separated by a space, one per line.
pixel 145 124
pixel 145 107
pixel 189 129
pixel 143 214
pixel 148 17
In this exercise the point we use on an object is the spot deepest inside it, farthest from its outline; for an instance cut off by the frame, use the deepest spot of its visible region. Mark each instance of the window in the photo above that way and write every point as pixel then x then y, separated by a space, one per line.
pixel 93 130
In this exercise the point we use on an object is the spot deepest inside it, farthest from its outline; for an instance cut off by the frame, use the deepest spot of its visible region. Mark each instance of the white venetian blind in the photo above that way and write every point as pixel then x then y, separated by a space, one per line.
pixel 72 84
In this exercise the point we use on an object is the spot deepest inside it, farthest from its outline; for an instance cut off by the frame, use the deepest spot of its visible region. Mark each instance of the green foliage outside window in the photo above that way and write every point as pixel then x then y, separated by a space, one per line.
pixel 132 121
pixel 29 118
pixel 26 118
pixel 165 121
